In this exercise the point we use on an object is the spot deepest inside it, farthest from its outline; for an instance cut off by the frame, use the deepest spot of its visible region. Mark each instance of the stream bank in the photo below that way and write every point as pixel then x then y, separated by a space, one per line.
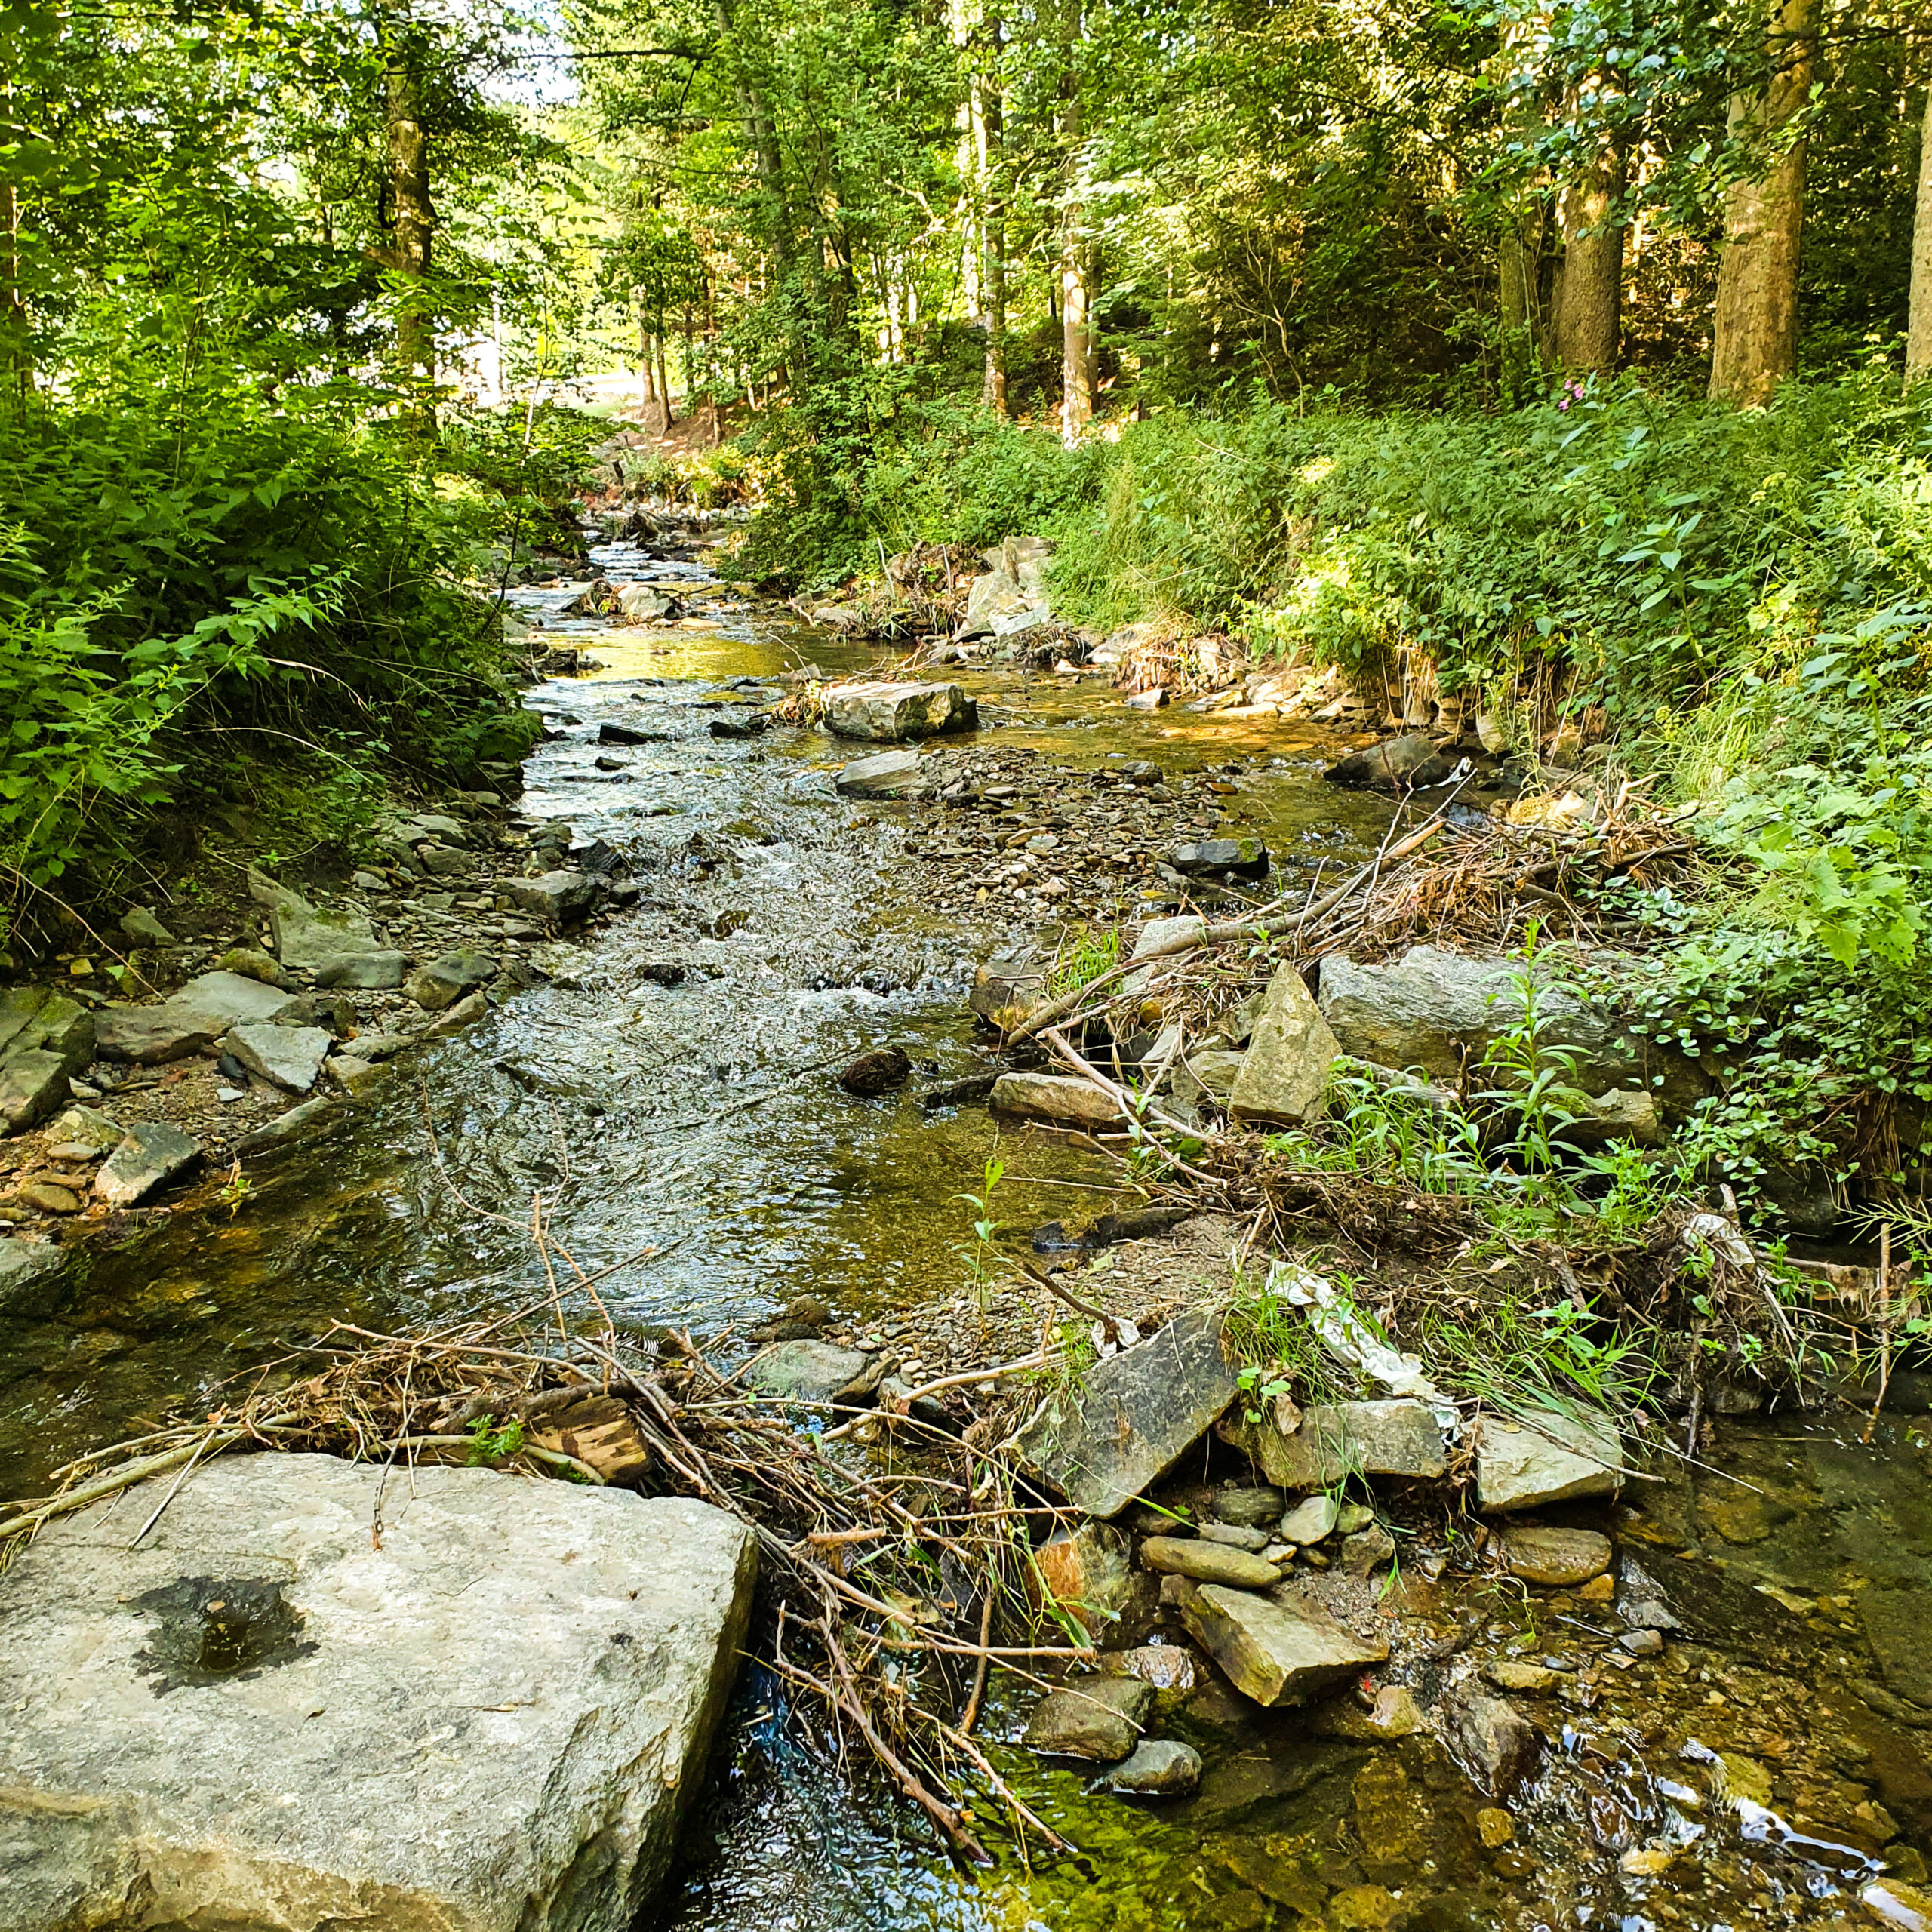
pixel 671 1088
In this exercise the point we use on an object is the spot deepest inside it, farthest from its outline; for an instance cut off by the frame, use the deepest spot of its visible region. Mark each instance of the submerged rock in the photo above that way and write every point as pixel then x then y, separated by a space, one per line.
pixel 491 1715
pixel 1492 1741
pixel 884 1070
pixel 1283 1076
pixel 1006 991
pixel 1086 1571
pixel 1555 1556
pixel 1277 1649
pixel 895 711
pixel 1166 1666
pixel 1521 1467
pixel 1159 1767
pixel 1058 1099
pixel 1332 1442
pixel 1099 1719
pixel 1106 1439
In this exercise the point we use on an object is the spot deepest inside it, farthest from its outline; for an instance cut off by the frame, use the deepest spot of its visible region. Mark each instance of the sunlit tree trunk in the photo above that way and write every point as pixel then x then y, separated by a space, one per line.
pixel 989 133
pixel 1918 333
pixel 412 213
pixel 1755 333
pixel 1589 311
pixel 1075 292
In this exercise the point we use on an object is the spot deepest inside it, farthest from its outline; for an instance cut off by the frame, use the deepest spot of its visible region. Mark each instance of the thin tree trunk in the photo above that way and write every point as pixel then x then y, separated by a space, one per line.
pixel 1918 333
pixel 664 379
pixel 412 214
pixel 1076 314
pixel 1589 318
pixel 989 128
pixel 1755 332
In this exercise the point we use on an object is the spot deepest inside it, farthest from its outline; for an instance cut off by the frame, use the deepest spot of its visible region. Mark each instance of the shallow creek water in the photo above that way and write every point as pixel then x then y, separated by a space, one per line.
pixel 697 1120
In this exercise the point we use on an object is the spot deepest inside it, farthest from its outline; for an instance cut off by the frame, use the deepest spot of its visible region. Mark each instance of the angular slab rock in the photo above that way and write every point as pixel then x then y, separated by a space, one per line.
pixel 1086 1571
pixel 1284 1077
pixel 45 1039
pixel 289 1056
pixel 307 935
pixel 192 1020
pixel 1006 991
pixel 151 1156
pixel 444 981
pixel 365 972
pixel 1217 858
pixel 1278 1649
pixel 490 1723
pixel 1159 1767
pixel 1492 1741
pixel 1099 1718
pixel 564 898
pixel 1103 1441
pixel 1522 1467
pixel 890 712
pixel 1334 1441
pixel 890 775
pixel 24 1264
pixel 1058 1099
pixel 813 1372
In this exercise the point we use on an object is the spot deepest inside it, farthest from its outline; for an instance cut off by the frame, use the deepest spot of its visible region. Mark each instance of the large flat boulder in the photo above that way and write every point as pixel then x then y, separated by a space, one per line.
pixel 487 1717
pixel 151 1155
pixel 890 712
pixel 193 1019
pixel 45 1039
pixel 1334 1440
pixel 885 775
pixel 1522 1464
pixel 1281 1648
pixel 1283 1076
pixel 1104 1439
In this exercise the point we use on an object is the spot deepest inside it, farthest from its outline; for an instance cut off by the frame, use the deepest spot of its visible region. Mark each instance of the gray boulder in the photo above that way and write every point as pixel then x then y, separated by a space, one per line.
pixel 481 1704
pixel 444 981
pixel 23 1264
pixel 1311 1520
pixel 815 1372
pixel 192 1020
pixel 890 712
pixel 889 775
pixel 1158 1767
pixel 151 1156
pixel 1522 1466
pixel 1099 1718
pixel 1393 766
pixel 1218 858
pixel 309 936
pixel 364 972
pixel 563 898
pixel 139 926
pixel 1105 1439
pixel 45 1039
pixel 290 1126
pixel 1333 1441
pixel 290 1056
pixel 1283 1076
pixel 1278 1649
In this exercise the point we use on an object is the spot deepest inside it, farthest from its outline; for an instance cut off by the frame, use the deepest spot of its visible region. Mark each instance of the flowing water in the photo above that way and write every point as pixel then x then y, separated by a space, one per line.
pixel 1735 1780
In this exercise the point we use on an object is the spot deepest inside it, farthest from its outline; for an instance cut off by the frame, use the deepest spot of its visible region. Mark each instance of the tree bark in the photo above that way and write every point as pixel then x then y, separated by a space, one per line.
pixel 1590 308
pixel 1075 295
pixel 1755 332
pixel 412 213
pixel 1919 332
pixel 989 128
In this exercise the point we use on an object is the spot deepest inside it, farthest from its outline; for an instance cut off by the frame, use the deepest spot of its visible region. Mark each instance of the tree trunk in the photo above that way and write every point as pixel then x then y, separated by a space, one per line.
pixel 989 131
pixel 664 379
pixel 763 135
pixel 1918 333
pixel 413 215
pixel 1076 331
pixel 1590 313
pixel 1755 333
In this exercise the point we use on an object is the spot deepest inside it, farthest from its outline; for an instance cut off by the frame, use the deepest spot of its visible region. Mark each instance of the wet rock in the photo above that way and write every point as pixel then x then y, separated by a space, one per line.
pixel 45 1039
pixel 561 898
pixel 884 1070
pixel 24 1264
pixel 1086 1571
pixel 1283 1076
pixel 1245 858
pixel 1892 1901
pixel 813 1372
pixel 1896 1621
pixel 1006 991
pixel 1148 700
pixel 1641 1643
pixel 152 1154
pixel 466 1012
pixel 193 1019
pixel 1494 1743
pixel 139 925
pixel 610 732
pixel 1495 1827
pixel 1331 1442
pixel 1234 1536
pixel 890 775
pixel 1058 1099
pixel 1393 1714
pixel 1393 766
pixel 1099 1720
pixel 642 602
pixel 290 1126
pixel 1310 1521
pixel 1159 1767
pixel 291 1056
pixel 1364 1552
pixel 1507 1673
pixel 1277 1649
pixel 1555 1556
pixel 354 1077
pixel 514 1751
pixel 891 712
pixel 978 1086
pixel 443 981
pixel 1251 1507
pixel 1208 1562
pixel 749 726
pixel 1107 1439
pixel 247 963
pixel 1166 1666
pixel 664 973
pixel 1520 1467
pixel 365 972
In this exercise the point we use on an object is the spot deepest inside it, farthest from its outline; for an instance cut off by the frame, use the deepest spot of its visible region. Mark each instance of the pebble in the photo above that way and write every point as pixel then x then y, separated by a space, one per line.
pixel 1642 1643
pixel 1495 1827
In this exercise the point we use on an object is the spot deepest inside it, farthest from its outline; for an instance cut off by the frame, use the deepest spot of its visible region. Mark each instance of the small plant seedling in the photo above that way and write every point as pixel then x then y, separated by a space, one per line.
pixel 489 1444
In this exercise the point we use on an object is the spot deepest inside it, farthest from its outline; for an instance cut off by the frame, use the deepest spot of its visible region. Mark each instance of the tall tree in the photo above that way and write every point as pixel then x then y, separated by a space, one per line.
pixel 1589 303
pixel 1919 328
pixel 408 213
pixel 1755 331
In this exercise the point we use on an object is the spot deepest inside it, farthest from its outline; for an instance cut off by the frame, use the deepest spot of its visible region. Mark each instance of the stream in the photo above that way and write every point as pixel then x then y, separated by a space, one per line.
pixel 1757 1771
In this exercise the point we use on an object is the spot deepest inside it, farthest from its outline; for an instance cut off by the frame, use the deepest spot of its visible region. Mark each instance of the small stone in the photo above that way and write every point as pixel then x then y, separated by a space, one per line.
pixel 1166 1666
pixel 1206 1562
pixel 445 981
pixel 1234 1536
pixel 141 926
pixel 1099 1720
pixel 1353 1516
pixel 1554 1557
pixel 1598 1589
pixel 1495 1827
pixel 249 963
pixel 1647 1861
pixel 1519 1466
pixel 290 1056
pixel 1159 1767
pixel 1642 1643
pixel 49 1196
pixel 889 775
pixel 1367 1550
pixel 465 1013
pixel 1311 1520
pixel 1148 700
pixel 364 972
pixel 811 1372
pixel 1506 1674
pixel 1252 1507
